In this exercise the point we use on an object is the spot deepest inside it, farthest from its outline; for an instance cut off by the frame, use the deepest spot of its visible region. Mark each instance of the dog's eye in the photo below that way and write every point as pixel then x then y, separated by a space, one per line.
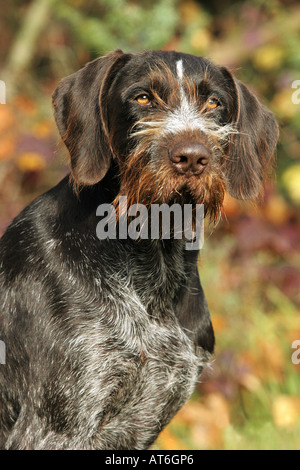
pixel 143 99
pixel 212 103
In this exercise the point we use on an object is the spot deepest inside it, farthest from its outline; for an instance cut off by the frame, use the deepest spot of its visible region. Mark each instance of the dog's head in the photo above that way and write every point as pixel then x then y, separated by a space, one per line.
pixel 176 125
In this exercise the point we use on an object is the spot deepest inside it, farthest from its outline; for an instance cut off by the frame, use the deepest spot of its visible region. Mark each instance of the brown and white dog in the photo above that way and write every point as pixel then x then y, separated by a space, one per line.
pixel 105 339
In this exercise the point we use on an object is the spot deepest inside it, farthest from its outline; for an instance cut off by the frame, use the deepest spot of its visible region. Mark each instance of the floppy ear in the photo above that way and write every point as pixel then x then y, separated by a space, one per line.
pixel 80 112
pixel 251 151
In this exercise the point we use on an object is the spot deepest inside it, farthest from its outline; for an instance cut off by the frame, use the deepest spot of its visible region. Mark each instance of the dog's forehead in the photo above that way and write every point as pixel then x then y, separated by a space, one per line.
pixel 179 64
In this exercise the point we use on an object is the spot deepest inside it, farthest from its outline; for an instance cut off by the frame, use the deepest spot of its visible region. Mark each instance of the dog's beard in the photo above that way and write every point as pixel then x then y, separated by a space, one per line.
pixel 145 182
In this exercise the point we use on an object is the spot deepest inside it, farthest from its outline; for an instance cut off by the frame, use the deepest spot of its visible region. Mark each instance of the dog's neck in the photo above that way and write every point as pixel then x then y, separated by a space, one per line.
pixel 157 268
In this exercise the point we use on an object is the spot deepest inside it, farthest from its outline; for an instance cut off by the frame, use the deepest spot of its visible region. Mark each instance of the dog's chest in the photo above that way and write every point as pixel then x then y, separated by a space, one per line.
pixel 140 366
pixel 135 366
pixel 143 371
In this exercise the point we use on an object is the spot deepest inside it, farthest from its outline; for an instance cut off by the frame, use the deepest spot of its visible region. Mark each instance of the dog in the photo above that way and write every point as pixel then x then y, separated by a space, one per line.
pixel 106 339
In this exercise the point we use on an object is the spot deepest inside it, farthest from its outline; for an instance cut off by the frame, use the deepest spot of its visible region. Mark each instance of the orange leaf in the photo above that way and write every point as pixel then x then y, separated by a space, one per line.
pixel 7 119
pixel 231 206
pixel 25 104
pixel 7 146
pixel 31 161
pixel 218 322
pixel 168 441
pixel 43 129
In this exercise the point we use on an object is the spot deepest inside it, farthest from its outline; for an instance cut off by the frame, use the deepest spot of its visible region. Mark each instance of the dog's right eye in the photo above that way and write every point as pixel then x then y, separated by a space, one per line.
pixel 143 100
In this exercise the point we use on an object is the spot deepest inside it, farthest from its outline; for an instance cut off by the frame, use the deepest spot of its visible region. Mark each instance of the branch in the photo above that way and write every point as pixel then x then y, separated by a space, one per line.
pixel 25 44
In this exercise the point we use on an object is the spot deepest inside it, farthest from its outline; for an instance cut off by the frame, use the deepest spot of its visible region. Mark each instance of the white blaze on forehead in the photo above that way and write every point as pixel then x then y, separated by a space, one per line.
pixel 186 116
pixel 179 68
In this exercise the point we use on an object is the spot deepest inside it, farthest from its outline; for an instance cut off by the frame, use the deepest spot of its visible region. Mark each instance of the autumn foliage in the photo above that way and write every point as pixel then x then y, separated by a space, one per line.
pixel 250 263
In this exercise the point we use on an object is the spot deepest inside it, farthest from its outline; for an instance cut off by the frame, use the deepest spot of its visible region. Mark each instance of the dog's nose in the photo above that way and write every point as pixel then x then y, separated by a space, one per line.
pixel 189 157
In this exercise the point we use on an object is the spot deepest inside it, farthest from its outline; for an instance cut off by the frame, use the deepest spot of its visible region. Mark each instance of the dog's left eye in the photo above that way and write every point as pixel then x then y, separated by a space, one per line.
pixel 143 99
pixel 212 103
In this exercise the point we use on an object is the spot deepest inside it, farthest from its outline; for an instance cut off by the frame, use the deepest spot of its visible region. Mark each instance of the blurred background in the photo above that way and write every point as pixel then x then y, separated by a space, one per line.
pixel 250 263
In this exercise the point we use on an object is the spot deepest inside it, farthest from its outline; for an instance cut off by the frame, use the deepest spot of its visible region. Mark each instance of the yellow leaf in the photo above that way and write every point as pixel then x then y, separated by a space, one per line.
pixel 282 104
pixel 250 382
pixel 277 210
pixel 219 409
pixel 291 181
pixel 269 57
pixel 286 410
pixel 31 161
pixel 189 10
pixel 200 39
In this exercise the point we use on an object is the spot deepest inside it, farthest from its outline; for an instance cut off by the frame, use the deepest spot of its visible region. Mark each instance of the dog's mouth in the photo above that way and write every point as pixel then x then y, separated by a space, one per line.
pixel 207 187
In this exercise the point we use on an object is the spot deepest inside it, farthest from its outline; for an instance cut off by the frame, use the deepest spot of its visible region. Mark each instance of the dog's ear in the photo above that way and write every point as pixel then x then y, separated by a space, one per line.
pixel 251 151
pixel 80 112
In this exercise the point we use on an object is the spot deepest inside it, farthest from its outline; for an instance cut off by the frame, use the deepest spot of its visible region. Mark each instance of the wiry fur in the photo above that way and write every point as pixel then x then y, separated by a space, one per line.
pixel 106 339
